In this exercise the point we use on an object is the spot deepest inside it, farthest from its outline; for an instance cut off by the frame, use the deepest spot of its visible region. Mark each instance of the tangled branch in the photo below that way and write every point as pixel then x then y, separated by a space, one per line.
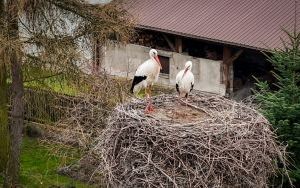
pixel 208 141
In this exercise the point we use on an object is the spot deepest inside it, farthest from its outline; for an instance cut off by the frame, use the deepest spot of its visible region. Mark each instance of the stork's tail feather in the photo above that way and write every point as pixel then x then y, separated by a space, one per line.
pixel 177 88
pixel 192 87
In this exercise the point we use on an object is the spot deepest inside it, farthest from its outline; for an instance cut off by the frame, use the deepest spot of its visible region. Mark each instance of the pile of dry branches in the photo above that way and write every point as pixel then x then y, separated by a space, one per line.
pixel 85 119
pixel 208 141
pixel 86 115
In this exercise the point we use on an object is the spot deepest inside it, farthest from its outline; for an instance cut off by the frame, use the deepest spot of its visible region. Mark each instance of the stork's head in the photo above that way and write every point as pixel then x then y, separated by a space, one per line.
pixel 188 65
pixel 154 55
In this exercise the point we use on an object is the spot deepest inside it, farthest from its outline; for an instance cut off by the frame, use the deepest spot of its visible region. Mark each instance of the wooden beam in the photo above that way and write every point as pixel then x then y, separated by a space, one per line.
pixel 178 44
pixel 224 70
pixel 234 57
pixel 97 56
pixel 227 68
pixel 171 45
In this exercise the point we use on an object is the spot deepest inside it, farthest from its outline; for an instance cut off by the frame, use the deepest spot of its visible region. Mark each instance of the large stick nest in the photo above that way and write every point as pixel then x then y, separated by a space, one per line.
pixel 208 141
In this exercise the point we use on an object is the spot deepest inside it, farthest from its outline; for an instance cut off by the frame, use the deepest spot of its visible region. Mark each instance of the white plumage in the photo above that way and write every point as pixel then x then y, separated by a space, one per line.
pixel 185 80
pixel 146 75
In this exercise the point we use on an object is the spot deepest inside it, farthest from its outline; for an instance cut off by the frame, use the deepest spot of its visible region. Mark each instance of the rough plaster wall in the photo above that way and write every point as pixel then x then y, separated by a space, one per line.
pixel 124 60
pixel 209 79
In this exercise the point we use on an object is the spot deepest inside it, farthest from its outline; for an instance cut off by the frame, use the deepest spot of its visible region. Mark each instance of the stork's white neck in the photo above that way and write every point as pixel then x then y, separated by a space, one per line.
pixel 157 63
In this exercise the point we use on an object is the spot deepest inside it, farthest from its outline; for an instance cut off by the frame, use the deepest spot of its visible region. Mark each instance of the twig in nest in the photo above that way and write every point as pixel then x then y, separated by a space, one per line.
pixel 193 106
pixel 233 147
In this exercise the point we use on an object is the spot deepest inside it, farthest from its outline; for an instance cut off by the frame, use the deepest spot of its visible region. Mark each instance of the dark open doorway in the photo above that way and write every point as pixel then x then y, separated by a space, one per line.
pixel 250 64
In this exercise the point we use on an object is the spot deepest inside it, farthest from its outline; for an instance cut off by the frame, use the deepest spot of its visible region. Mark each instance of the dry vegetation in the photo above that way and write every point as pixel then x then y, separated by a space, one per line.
pixel 86 115
pixel 228 145
pixel 207 141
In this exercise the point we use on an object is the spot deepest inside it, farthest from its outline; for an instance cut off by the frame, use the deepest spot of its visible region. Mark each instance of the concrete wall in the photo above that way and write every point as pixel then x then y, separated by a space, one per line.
pixel 124 60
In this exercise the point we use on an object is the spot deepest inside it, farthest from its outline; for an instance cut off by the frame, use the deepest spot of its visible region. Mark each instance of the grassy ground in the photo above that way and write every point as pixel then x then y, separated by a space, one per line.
pixel 54 84
pixel 39 163
pixel 72 85
pixel 43 78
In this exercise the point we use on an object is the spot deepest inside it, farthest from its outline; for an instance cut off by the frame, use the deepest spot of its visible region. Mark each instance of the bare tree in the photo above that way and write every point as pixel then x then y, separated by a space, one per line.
pixel 3 100
pixel 17 120
pixel 53 31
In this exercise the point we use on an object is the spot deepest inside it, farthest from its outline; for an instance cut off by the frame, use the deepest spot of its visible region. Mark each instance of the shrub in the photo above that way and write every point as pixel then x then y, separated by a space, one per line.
pixel 282 106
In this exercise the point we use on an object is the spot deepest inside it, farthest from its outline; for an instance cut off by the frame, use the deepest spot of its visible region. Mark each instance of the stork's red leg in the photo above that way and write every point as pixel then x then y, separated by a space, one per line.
pixel 151 108
pixel 186 100
pixel 147 109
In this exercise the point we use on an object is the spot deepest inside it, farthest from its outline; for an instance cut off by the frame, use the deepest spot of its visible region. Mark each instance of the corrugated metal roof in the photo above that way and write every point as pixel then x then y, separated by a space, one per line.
pixel 248 23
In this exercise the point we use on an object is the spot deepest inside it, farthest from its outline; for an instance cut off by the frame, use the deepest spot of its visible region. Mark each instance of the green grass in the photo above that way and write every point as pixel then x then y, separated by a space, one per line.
pixel 54 84
pixel 39 164
pixel 43 78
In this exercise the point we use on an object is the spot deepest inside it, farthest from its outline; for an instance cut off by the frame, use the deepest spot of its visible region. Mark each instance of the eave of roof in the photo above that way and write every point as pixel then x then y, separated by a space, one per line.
pixel 201 38
pixel 250 24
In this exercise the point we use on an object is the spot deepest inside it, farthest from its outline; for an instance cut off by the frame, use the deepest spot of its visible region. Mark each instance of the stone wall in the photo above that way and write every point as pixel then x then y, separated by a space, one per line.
pixel 124 60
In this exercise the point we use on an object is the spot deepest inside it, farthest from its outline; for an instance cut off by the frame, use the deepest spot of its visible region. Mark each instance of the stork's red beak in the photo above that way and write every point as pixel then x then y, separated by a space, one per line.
pixel 157 60
pixel 185 70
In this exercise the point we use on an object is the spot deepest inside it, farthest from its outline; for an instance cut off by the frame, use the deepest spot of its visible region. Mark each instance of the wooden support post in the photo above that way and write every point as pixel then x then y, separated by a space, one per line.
pixel 231 78
pixel 97 56
pixel 94 54
pixel 227 73
pixel 178 44
pixel 225 67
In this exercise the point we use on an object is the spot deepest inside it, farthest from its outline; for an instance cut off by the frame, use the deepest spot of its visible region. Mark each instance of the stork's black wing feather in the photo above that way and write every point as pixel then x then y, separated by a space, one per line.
pixel 192 86
pixel 136 80
pixel 177 88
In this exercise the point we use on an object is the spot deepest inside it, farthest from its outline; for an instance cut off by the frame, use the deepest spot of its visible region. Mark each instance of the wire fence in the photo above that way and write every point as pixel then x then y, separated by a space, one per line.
pixel 47 107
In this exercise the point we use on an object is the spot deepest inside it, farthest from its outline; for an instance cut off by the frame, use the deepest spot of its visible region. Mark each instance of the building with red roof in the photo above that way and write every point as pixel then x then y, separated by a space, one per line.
pixel 224 38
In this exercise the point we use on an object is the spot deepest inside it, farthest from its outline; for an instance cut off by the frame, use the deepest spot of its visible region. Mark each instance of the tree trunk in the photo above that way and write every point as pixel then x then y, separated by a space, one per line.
pixel 17 90
pixel 4 134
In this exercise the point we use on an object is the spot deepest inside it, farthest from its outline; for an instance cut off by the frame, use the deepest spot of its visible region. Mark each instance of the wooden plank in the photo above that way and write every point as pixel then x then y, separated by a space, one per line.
pixel 178 44
pixel 97 56
pixel 225 67
pixel 234 57
pixel 227 73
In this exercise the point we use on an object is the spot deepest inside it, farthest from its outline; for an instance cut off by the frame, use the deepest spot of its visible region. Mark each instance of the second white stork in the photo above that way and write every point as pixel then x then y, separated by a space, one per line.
pixel 185 80
pixel 145 76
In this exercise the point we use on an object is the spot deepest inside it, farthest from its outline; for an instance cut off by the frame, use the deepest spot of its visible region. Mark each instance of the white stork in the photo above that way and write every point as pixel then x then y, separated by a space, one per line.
pixel 185 80
pixel 145 76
